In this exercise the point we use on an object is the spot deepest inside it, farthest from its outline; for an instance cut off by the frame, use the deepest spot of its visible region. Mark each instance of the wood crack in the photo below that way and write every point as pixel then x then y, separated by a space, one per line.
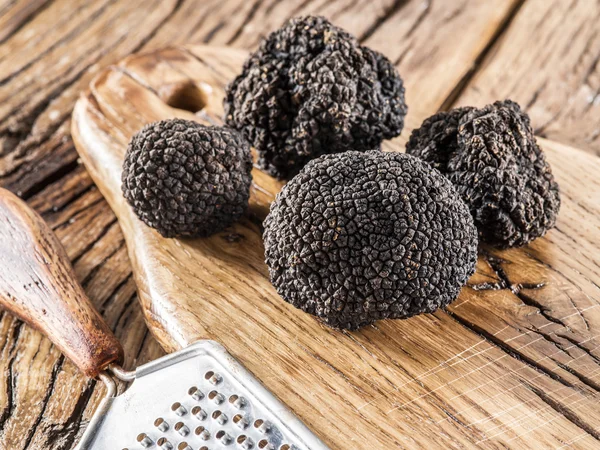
pixel 22 134
pixel 543 310
pixel 11 376
pixel 118 287
pixel 495 264
pixel 467 77
pixel 53 177
pixel 68 431
pixel 53 210
pixel 55 371
pixel 155 30
pixel 564 411
pixel 511 351
pixel 580 347
pixel 73 33
pixel 548 338
pixel 396 6
pixel 25 20
pixel 417 23
pixel 580 376
pixel 75 213
pixel 89 277
pixel 247 19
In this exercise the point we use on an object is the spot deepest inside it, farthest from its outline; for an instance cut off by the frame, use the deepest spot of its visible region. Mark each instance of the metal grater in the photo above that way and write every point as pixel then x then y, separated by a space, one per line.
pixel 199 398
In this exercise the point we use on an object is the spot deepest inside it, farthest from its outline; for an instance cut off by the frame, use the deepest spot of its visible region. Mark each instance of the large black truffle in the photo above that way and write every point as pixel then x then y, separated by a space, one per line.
pixel 491 156
pixel 311 89
pixel 360 236
pixel 187 179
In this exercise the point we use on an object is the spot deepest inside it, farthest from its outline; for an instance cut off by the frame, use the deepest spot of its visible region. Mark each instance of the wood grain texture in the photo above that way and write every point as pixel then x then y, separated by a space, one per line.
pixel 49 54
pixel 549 62
pixel 512 362
pixel 40 287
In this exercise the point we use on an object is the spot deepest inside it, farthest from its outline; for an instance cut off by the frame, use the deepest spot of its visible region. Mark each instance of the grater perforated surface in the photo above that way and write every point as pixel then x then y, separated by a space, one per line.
pixel 199 398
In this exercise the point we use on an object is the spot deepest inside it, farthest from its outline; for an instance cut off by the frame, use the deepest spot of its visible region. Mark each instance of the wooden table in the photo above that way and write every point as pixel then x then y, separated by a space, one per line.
pixel 543 54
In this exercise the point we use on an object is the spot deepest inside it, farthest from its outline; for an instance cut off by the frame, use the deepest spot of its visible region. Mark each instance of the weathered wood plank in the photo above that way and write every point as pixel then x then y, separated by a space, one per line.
pixel 430 45
pixel 243 24
pixel 549 61
pixel 16 17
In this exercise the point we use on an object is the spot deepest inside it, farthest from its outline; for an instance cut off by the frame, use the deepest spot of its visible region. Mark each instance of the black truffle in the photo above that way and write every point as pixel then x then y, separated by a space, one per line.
pixel 311 89
pixel 491 156
pixel 187 179
pixel 360 236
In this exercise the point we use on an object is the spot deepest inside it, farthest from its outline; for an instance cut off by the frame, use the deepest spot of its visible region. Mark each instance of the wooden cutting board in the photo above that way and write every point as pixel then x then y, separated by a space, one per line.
pixel 490 372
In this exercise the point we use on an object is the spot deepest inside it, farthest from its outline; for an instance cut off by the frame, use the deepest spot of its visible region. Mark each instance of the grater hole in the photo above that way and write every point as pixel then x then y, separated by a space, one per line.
pixel 184 446
pixel 219 417
pixel 178 409
pixel 143 439
pixel 213 378
pixel 263 443
pixel 245 442
pixel 164 444
pixel 285 447
pixel 237 401
pixel 225 438
pixel 195 393
pixel 199 413
pixel 240 421
pixel 161 424
pixel 262 425
pixel 216 397
pixel 203 433
pixel 182 429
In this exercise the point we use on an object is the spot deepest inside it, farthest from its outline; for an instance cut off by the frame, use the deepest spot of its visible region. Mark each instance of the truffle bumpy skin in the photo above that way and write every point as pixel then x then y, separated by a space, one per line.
pixel 360 236
pixel 186 179
pixel 310 89
pixel 491 156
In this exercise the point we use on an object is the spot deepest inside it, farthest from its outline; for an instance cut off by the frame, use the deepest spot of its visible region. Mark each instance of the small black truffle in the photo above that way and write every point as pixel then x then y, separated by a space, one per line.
pixel 186 179
pixel 360 236
pixel 491 156
pixel 311 89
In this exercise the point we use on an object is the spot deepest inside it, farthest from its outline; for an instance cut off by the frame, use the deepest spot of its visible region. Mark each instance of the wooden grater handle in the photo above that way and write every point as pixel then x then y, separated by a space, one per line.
pixel 38 285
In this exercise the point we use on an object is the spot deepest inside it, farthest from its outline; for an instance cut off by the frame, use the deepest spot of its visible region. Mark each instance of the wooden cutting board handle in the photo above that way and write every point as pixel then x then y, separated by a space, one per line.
pixel 38 285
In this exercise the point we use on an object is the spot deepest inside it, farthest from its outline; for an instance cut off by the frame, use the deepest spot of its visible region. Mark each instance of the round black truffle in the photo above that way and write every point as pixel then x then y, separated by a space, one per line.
pixel 186 179
pixel 491 156
pixel 311 89
pixel 360 236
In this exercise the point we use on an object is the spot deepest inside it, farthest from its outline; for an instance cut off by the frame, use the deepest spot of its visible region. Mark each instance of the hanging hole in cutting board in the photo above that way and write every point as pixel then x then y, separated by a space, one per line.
pixel 185 95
